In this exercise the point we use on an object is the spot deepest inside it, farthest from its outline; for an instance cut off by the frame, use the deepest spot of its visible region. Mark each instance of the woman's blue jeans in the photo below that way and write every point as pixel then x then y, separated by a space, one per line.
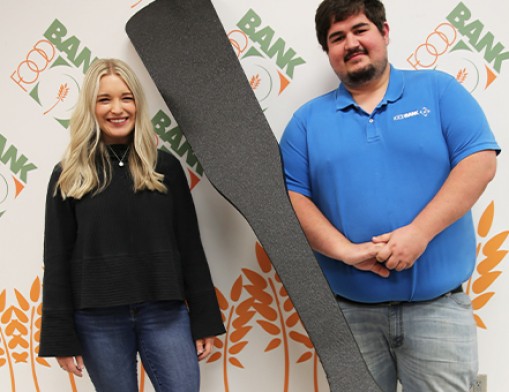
pixel 159 331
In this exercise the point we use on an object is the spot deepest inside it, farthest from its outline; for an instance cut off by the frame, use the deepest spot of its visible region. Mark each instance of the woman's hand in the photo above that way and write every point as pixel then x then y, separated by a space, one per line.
pixel 204 347
pixel 72 365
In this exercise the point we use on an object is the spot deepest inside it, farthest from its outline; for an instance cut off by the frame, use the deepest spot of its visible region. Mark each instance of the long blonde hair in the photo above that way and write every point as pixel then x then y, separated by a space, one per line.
pixel 86 148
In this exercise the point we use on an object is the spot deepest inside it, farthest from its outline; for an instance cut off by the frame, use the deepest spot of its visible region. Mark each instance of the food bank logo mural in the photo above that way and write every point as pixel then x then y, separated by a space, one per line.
pixel 171 138
pixel 14 172
pixel 50 71
pixel 463 47
pixel 268 61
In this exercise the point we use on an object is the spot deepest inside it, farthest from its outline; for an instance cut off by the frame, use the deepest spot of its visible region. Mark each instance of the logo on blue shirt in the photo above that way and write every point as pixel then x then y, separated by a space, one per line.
pixel 422 112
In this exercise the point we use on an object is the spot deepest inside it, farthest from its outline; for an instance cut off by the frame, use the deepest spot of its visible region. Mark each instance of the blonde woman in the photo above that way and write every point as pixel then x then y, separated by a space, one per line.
pixel 125 271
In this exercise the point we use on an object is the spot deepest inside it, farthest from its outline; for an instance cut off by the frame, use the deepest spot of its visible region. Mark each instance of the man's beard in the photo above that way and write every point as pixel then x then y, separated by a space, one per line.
pixel 361 76
pixel 364 75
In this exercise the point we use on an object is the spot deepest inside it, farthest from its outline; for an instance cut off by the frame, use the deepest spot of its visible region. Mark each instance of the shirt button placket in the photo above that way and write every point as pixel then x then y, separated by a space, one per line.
pixel 372 131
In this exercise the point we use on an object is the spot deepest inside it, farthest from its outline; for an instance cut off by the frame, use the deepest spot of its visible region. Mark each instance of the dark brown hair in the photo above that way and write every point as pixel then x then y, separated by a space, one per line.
pixel 332 11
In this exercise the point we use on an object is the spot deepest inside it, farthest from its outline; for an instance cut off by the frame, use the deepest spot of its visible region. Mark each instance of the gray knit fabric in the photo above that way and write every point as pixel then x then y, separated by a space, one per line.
pixel 184 47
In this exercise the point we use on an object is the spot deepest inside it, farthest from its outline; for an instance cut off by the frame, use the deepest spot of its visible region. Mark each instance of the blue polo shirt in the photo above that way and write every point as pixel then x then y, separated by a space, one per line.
pixel 370 174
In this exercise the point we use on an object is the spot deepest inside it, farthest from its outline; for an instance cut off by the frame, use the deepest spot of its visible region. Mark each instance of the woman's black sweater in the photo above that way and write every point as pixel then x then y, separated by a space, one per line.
pixel 120 247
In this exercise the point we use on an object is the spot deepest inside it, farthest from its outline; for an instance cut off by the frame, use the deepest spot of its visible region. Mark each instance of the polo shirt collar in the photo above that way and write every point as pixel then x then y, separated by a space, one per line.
pixel 394 91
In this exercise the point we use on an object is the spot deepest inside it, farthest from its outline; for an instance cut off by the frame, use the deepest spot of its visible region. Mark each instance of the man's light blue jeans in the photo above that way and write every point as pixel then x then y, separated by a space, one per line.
pixel 428 346
pixel 159 331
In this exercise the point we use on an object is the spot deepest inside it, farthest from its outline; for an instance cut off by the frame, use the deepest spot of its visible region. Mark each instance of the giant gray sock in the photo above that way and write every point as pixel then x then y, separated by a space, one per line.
pixel 184 47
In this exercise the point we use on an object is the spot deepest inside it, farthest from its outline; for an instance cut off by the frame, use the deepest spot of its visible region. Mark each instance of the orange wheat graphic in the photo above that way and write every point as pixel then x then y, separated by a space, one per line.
pixel 491 255
pixel 268 300
pixel 142 377
pixel 462 75
pixel 20 336
pixel 20 332
pixel 62 93
pixel 278 317
pixel 5 356
pixel 255 81
pixel 235 316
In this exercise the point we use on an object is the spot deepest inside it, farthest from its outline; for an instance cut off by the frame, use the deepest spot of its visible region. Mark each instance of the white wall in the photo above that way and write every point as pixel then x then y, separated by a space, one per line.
pixel 274 356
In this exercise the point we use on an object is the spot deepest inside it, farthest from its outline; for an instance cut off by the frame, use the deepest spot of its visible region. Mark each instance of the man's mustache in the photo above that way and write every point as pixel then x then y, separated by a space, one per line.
pixel 353 52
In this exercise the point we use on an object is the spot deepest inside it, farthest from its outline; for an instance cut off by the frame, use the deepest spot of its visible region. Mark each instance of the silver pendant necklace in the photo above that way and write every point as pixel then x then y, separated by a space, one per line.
pixel 120 160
